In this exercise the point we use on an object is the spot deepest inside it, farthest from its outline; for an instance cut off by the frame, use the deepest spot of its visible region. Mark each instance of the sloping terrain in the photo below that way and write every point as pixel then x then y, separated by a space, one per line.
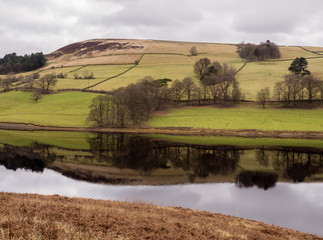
pixel 53 217
pixel 118 62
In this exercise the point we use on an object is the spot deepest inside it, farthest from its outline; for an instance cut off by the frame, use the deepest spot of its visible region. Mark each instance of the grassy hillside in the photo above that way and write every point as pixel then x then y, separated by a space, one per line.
pixel 242 118
pixel 63 109
pixel 117 63
pixel 166 59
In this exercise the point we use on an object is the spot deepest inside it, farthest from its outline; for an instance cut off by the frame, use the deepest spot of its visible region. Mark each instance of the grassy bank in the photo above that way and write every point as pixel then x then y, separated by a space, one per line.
pixel 53 217
pixel 69 109
pixel 242 118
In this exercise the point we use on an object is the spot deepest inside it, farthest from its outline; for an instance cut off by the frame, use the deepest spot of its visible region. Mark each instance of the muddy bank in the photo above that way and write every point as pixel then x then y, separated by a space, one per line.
pixel 30 216
pixel 248 133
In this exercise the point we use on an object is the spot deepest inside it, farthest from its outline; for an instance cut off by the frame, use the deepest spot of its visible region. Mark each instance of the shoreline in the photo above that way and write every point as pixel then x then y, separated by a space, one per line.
pixel 184 131
pixel 30 216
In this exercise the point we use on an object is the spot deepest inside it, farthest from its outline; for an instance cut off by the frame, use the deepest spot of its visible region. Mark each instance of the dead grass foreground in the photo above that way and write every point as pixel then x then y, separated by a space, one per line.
pixel 30 216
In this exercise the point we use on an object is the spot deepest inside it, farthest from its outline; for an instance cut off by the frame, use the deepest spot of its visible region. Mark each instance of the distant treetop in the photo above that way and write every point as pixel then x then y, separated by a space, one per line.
pixel 12 63
pixel 263 51
pixel 298 67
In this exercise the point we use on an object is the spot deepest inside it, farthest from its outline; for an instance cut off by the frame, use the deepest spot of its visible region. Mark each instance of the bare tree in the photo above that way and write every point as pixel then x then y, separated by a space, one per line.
pixel 5 84
pixel 279 91
pixel 311 85
pixel 193 51
pixel 36 96
pixel 189 86
pixel 30 83
pixel 320 87
pixel 46 82
pixel 177 90
pixel 263 96
pixel 200 66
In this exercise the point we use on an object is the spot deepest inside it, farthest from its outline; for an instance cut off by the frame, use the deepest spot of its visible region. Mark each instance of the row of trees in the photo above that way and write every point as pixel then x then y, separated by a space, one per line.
pixel 130 105
pixel 263 51
pixel 218 81
pixel 12 63
pixel 299 85
pixel 133 104
pixel 32 82
pixel 296 87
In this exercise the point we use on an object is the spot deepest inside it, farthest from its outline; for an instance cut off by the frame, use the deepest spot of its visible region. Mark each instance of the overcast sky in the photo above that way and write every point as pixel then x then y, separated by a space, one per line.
pixel 46 25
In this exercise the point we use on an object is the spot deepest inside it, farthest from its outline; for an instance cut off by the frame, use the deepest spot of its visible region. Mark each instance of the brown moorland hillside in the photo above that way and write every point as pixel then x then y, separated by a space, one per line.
pixel 29 216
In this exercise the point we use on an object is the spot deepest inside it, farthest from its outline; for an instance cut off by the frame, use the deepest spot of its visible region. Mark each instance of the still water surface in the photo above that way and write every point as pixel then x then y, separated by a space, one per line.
pixel 276 185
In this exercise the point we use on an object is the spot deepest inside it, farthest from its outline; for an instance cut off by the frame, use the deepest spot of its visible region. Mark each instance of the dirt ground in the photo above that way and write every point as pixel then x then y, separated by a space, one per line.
pixel 29 216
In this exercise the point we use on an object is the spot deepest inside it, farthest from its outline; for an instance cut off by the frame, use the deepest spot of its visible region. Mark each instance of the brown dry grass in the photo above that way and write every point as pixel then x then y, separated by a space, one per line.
pixel 24 216
pixel 116 59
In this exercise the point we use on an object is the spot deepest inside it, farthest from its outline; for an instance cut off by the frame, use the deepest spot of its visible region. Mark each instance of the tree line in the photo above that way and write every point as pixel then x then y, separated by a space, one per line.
pixel 263 51
pixel 299 85
pixel 13 63
pixel 133 104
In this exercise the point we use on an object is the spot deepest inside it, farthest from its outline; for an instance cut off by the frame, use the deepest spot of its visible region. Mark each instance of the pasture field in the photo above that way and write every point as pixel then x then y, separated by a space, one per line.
pixel 172 71
pixel 293 52
pixel 101 72
pixel 63 109
pixel 257 75
pixel 242 118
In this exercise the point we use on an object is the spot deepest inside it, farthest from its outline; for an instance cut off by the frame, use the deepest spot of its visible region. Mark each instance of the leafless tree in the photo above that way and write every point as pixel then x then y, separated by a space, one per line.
pixel 5 84
pixel 177 89
pixel 311 85
pixel 263 96
pixel 263 51
pixel 193 51
pixel 36 96
pixel 47 82
pixel 189 86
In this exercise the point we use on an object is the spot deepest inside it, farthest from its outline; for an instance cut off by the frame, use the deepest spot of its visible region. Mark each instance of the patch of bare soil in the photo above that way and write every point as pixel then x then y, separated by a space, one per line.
pixel 29 216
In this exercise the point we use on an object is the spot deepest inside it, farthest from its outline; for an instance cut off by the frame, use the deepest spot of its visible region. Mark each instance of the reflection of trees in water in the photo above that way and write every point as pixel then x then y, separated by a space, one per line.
pixel 298 164
pixel 293 163
pixel 262 180
pixel 263 156
pixel 215 161
pixel 145 155
pixel 33 158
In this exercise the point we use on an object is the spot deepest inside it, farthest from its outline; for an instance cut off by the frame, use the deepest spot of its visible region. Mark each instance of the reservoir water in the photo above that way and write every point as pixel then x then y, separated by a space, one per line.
pixel 275 184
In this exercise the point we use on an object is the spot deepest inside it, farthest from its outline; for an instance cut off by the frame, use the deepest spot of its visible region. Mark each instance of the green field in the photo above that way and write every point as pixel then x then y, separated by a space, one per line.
pixel 68 109
pixel 242 118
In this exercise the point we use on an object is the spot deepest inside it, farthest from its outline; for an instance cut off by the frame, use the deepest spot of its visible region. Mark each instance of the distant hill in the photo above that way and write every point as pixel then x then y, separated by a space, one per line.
pixel 118 62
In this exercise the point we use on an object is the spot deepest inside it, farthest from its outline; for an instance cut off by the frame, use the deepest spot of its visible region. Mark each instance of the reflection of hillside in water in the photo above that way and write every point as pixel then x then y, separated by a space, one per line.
pixel 131 159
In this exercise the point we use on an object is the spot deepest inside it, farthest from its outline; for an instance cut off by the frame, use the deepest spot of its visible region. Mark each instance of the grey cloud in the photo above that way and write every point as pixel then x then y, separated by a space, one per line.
pixel 276 16
pixel 157 13
pixel 48 25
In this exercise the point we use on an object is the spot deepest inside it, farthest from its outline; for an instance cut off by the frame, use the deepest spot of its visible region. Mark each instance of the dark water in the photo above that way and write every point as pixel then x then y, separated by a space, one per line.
pixel 276 185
